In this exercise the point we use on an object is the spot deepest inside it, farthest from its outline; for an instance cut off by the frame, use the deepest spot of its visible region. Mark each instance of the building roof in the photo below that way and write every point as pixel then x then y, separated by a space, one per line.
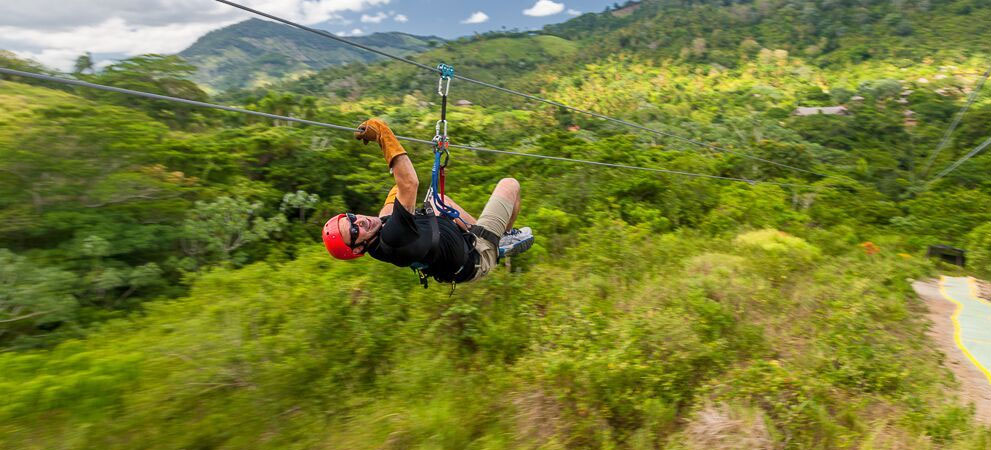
pixel 828 110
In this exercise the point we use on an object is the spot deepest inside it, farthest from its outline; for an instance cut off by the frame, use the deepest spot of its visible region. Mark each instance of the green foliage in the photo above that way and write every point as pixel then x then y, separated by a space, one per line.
pixel 83 63
pixel 153 293
pixel 979 249
pixel 11 61
pixel 780 253
pixel 842 201
pixel 157 74
pixel 217 229
pixel 579 351
pixel 945 217
pixel 252 53
pixel 299 201
pixel 757 207
pixel 32 295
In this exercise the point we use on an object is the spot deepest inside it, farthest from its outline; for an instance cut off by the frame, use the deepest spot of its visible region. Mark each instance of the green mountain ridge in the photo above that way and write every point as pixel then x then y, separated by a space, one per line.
pixel 831 32
pixel 256 52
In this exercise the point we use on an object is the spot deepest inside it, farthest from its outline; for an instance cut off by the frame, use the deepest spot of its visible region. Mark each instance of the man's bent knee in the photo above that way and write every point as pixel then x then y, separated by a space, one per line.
pixel 509 182
pixel 508 188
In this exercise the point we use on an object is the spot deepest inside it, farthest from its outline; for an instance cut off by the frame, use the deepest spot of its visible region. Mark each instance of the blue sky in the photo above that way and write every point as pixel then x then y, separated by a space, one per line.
pixel 446 18
pixel 55 32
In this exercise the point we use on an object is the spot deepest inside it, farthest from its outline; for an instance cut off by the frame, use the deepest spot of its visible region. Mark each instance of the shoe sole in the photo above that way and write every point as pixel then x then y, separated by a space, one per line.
pixel 518 248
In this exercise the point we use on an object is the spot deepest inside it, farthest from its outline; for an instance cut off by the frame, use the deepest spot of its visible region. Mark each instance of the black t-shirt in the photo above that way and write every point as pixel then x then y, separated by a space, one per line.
pixel 407 240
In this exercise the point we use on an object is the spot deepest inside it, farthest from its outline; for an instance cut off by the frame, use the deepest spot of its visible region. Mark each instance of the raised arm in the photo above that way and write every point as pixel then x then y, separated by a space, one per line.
pixel 399 163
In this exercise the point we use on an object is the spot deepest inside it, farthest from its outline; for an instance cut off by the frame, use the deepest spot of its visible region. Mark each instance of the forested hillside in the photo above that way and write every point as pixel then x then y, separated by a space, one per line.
pixel 163 285
pixel 257 52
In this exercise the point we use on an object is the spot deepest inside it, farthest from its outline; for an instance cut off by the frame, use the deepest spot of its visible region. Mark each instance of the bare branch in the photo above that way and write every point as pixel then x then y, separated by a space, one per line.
pixel 26 316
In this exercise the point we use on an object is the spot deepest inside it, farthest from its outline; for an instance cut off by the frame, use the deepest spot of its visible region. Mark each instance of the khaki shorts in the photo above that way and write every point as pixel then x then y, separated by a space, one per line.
pixel 495 218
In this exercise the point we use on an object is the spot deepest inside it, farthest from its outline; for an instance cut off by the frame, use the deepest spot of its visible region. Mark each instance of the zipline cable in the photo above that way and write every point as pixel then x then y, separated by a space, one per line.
pixel 328 35
pixel 960 161
pixel 518 93
pixel 101 87
pixel 956 121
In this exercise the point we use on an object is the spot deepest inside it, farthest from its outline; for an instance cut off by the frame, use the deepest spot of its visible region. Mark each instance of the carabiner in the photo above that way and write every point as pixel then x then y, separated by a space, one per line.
pixel 442 88
pixel 447 153
pixel 446 73
pixel 437 130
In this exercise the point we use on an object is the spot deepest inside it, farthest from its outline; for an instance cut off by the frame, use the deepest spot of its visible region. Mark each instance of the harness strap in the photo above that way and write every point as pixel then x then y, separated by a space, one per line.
pixel 486 234
pixel 434 232
pixel 419 267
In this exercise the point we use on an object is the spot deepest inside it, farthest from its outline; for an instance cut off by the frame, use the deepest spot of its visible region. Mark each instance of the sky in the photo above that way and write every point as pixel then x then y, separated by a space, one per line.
pixel 55 32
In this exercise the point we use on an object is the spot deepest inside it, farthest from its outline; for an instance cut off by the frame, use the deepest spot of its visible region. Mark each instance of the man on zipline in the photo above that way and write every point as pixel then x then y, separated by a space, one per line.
pixel 432 244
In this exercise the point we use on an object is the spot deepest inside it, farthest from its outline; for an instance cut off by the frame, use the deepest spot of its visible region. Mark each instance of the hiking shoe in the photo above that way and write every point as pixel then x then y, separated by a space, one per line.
pixel 515 241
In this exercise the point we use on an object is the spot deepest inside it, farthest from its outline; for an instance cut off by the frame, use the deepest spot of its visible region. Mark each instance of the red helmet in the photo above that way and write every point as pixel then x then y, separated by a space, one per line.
pixel 334 242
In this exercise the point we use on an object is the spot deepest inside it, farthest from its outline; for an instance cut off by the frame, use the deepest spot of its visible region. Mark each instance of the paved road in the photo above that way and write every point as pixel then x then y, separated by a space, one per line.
pixel 972 321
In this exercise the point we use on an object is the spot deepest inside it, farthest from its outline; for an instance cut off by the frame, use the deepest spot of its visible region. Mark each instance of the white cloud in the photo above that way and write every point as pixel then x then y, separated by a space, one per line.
pixel 55 32
pixel 60 48
pixel 354 32
pixel 544 8
pixel 401 18
pixel 377 18
pixel 477 17
pixel 574 12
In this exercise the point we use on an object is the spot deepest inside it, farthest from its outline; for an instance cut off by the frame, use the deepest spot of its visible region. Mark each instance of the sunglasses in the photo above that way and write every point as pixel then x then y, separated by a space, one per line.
pixel 354 231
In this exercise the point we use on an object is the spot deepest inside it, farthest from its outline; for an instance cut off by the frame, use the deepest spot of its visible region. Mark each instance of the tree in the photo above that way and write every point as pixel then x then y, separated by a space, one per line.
pixel 979 249
pixel 300 201
pixel 157 74
pixel 11 61
pixel 946 217
pixel 227 224
pixel 107 277
pixel 31 295
pixel 84 63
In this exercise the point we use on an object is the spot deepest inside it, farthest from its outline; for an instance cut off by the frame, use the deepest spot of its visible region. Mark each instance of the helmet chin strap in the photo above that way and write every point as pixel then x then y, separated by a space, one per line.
pixel 371 239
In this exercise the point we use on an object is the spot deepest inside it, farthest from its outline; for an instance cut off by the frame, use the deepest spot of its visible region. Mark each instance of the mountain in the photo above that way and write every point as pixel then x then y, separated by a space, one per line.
pixel 256 52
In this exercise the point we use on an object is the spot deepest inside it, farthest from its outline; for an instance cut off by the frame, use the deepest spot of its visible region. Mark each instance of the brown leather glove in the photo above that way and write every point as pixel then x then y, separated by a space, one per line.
pixel 376 130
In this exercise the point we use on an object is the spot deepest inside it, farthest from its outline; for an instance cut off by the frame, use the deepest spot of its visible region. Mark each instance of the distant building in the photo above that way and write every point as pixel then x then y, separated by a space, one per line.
pixel 910 120
pixel 827 110
pixel 952 255
pixel 462 102
pixel 574 128
pixel 857 98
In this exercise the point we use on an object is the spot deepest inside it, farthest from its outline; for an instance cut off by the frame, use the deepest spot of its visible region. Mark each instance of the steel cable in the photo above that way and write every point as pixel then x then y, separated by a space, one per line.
pixel 956 121
pixel 521 94
pixel 352 129
pixel 962 160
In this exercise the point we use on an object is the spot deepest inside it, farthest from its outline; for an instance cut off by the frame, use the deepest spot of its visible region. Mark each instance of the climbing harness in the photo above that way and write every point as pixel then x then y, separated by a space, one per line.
pixel 435 193
pixel 442 156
